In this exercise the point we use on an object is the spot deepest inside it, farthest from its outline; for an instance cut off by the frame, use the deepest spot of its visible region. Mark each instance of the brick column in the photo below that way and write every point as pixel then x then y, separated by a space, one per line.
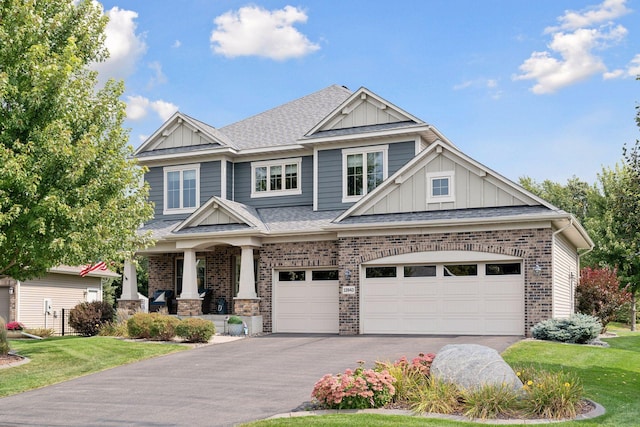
pixel 189 307
pixel 246 307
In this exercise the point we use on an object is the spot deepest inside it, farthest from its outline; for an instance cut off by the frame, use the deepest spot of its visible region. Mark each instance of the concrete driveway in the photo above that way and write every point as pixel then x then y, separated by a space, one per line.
pixel 216 385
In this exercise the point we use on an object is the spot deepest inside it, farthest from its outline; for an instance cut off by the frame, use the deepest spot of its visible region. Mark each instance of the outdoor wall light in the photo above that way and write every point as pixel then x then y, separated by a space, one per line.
pixel 10 290
pixel 347 274
pixel 537 269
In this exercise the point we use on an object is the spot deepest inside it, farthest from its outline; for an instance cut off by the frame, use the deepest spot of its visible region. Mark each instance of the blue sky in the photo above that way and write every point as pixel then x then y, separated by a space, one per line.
pixel 541 88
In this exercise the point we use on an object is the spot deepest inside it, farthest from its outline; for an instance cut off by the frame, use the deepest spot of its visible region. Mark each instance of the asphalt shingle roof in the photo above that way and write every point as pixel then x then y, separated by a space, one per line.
pixel 285 124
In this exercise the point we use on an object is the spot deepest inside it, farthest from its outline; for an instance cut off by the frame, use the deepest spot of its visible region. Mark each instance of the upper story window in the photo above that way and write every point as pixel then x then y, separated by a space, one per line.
pixel 276 178
pixel 363 169
pixel 440 187
pixel 181 189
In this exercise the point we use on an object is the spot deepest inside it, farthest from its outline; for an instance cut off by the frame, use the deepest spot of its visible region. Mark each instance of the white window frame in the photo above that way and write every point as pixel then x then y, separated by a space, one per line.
pixel 449 175
pixel 364 151
pixel 283 164
pixel 181 169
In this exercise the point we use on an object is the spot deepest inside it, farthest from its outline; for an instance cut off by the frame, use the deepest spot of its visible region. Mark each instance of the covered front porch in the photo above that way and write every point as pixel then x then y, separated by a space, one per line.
pixel 209 279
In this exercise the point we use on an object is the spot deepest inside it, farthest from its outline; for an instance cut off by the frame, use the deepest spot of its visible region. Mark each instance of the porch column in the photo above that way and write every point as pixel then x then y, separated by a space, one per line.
pixel 129 298
pixel 129 282
pixel 247 285
pixel 189 276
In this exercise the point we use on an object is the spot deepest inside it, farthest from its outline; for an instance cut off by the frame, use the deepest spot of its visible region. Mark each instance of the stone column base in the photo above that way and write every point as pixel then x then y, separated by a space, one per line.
pixel 189 307
pixel 131 305
pixel 246 307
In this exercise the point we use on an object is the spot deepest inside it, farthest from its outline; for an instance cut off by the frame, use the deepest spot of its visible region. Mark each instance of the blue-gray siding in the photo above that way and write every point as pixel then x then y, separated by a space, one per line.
pixel 330 172
pixel 209 186
pixel 242 190
pixel 229 180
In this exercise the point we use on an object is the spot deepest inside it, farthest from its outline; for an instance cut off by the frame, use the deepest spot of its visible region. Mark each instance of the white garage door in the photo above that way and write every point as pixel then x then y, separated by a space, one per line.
pixel 462 298
pixel 306 301
pixel 4 303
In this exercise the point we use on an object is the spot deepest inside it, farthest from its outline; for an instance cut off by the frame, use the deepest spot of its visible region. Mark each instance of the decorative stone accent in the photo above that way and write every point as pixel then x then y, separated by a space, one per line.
pixel 189 307
pixel 132 306
pixel 472 366
pixel 246 307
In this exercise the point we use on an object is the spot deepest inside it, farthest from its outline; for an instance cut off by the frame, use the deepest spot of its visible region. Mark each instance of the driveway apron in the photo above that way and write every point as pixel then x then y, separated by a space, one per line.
pixel 216 385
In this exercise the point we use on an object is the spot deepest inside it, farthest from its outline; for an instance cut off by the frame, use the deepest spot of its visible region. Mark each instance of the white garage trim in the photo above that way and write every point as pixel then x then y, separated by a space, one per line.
pixel 440 257
pixel 305 300
pixel 479 304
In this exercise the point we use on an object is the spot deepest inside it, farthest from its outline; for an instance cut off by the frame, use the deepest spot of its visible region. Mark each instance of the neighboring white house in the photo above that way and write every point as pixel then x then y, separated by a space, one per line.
pixel 38 303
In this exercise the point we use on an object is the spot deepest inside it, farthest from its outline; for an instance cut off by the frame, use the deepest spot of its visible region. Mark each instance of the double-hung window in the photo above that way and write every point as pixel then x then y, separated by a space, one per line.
pixel 363 169
pixel 276 178
pixel 182 189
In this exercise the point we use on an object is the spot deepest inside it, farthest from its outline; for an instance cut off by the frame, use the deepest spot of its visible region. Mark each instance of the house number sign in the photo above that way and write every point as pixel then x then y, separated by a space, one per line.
pixel 348 290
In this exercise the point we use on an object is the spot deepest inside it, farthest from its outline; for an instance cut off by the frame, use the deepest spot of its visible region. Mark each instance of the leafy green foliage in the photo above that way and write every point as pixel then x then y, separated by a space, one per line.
pixel 598 294
pixel 234 320
pixel 553 395
pixel 69 188
pixel 578 329
pixel 194 329
pixel 88 317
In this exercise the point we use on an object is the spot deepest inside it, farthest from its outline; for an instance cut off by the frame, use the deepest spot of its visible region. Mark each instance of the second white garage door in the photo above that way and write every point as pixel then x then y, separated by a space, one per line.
pixel 473 298
pixel 306 301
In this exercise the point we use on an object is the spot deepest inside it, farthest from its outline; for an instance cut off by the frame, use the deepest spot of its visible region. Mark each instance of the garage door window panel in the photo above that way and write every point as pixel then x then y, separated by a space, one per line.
pixel 503 269
pixel 419 271
pixel 291 276
pixel 380 272
pixel 324 275
pixel 460 270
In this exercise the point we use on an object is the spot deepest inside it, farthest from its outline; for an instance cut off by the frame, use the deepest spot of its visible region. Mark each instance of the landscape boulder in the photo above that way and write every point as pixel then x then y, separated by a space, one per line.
pixel 472 366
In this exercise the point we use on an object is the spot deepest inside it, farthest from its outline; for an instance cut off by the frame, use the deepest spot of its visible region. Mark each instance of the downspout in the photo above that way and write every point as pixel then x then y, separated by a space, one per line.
pixel 553 248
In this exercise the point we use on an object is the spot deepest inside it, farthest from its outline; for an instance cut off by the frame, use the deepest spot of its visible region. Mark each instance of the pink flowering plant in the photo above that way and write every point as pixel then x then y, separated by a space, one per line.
pixel 420 364
pixel 15 326
pixel 355 389
pixel 408 375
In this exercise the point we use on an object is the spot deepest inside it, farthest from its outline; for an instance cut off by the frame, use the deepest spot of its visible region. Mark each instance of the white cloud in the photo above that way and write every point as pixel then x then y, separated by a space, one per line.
pixel 124 45
pixel 608 10
pixel 138 107
pixel 571 57
pixel 176 44
pixel 254 31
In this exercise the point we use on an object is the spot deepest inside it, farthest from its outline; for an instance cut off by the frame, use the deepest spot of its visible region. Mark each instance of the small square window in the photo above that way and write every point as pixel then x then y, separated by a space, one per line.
pixel 440 187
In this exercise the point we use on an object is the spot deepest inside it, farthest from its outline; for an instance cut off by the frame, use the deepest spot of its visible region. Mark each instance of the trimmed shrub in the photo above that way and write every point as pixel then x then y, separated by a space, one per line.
pixel 578 329
pixel 87 317
pixel 4 341
pixel 152 326
pixel 194 329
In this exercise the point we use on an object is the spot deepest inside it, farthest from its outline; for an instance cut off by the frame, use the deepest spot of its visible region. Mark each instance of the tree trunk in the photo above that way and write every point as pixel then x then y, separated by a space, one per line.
pixel 633 311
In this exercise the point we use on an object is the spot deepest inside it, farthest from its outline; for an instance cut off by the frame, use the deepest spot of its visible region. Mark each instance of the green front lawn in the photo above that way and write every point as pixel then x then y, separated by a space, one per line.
pixel 54 360
pixel 611 377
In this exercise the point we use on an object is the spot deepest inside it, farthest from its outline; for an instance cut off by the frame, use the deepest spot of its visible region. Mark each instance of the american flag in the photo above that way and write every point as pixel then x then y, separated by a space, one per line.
pixel 93 267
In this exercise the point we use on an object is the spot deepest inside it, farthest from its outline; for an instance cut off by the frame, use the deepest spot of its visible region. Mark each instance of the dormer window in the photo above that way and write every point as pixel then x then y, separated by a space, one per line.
pixel 440 188
pixel 181 189
pixel 362 171
pixel 276 178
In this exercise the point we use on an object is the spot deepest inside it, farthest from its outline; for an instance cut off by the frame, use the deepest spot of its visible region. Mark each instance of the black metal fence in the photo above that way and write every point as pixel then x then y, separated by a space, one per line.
pixel 66 329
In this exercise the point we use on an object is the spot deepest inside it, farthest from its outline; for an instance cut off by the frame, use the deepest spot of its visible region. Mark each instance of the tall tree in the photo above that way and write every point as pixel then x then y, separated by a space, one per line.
pixel 69 190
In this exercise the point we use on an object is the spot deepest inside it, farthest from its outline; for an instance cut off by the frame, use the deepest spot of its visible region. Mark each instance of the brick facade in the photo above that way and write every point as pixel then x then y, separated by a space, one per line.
pixel 534 246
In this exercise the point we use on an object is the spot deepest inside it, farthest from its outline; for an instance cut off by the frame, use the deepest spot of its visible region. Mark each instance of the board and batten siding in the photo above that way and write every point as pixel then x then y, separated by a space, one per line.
pixel 242 187
pixel 330 172
pixel 210 181
pixel 64 291
pixel 470 191
pixel 565 262
pixel 183 136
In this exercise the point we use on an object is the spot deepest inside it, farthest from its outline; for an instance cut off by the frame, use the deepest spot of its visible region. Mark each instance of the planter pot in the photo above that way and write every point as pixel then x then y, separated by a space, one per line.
pixel 18 334
pixel 236 329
